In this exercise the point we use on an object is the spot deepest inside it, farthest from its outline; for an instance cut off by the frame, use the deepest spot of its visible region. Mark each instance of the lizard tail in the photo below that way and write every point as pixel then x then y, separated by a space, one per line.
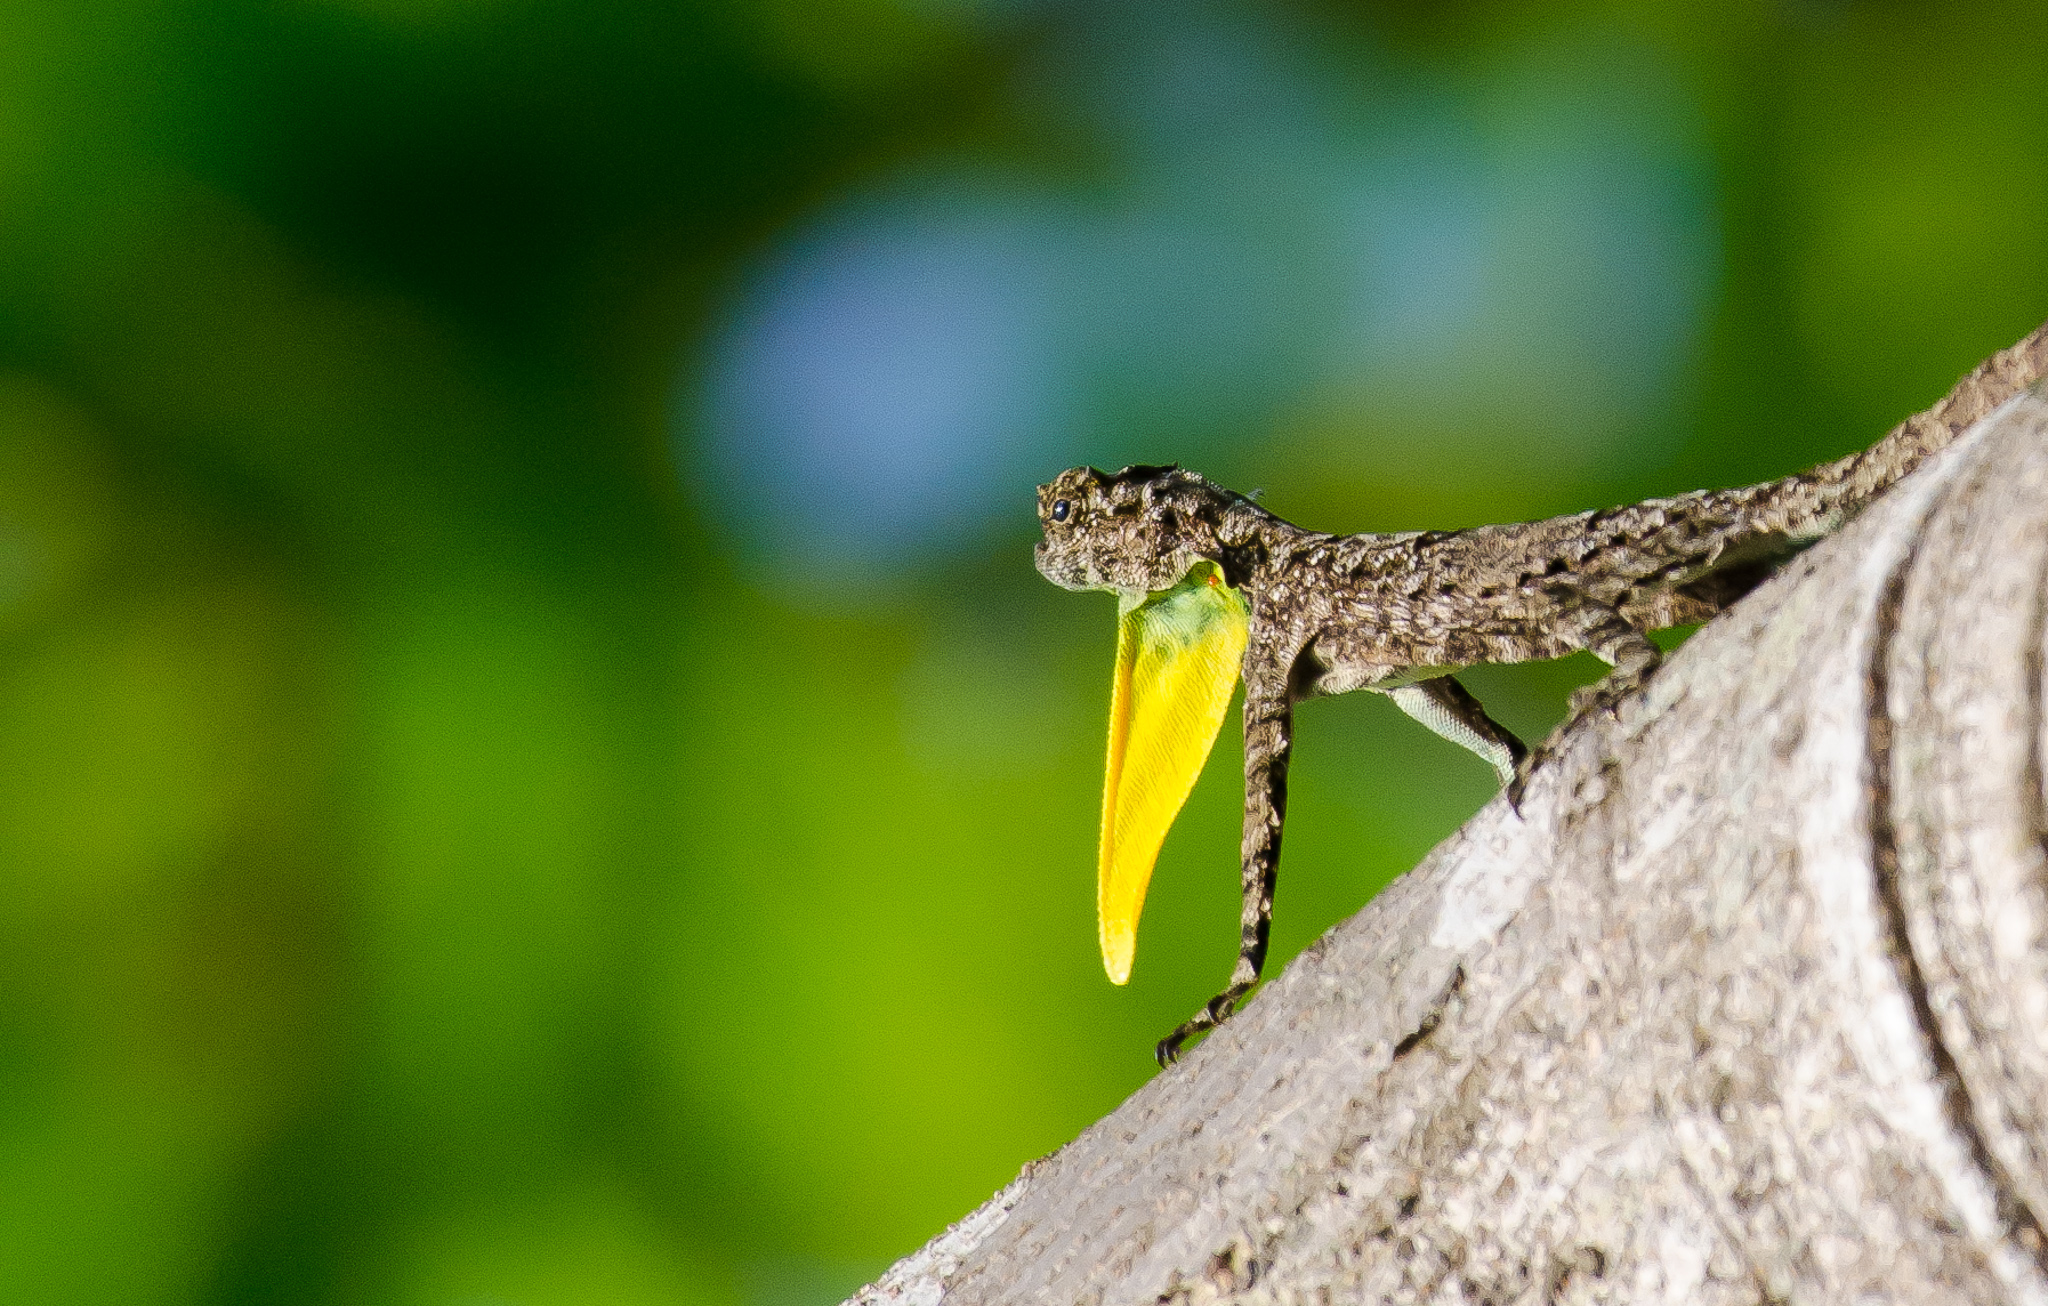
pixel 1851 482
pixel 1741 534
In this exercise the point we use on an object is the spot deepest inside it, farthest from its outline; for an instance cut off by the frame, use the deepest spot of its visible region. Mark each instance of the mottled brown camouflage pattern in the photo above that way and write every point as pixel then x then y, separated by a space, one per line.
pixel 1398 613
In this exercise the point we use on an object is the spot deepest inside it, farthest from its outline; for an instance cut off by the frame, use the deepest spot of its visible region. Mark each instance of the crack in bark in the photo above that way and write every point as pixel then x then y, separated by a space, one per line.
pixel 2033 797
pixel 2022 1227
pixel 1730 1233
pixel 1433 1017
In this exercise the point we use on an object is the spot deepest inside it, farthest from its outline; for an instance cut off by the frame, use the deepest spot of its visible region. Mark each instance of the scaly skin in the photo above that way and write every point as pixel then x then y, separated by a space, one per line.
pixel 1399 613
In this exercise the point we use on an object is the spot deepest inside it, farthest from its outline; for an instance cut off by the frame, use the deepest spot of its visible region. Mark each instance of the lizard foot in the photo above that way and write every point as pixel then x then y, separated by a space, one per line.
pixel 1518 783
pixel 1525 770
pixel 1214 1013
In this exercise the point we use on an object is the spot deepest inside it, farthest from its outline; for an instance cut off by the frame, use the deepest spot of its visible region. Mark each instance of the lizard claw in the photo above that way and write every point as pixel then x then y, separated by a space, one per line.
pixel 1518 783
pixel 1514 774
pixel 1169 1047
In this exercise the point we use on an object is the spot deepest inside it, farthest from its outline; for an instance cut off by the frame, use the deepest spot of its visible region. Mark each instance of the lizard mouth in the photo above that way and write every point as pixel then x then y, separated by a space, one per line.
pixel 1062 569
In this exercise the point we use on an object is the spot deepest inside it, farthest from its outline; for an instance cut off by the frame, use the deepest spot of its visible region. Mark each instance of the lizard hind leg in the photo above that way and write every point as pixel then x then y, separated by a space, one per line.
pixel 1602 631
pixel 1610 637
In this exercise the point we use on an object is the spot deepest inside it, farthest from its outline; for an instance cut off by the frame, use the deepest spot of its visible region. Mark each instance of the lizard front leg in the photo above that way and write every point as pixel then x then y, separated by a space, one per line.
pixel 1268 739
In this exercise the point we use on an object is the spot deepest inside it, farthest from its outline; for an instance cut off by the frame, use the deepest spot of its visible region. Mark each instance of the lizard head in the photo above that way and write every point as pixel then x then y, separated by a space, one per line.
pixel 1133 532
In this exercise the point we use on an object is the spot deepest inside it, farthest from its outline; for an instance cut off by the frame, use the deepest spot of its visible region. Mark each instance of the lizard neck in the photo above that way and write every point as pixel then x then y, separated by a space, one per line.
pixel 1256 545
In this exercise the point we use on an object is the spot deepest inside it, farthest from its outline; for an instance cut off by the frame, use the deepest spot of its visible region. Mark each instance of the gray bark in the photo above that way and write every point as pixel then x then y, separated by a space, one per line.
pixel 1749 1004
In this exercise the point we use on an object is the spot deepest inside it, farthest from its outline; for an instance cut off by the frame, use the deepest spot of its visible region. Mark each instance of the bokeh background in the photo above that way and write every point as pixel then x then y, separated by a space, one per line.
pixel 534 766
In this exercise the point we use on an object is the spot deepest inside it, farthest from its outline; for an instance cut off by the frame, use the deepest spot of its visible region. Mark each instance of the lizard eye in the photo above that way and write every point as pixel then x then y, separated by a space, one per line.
pixel 1060 509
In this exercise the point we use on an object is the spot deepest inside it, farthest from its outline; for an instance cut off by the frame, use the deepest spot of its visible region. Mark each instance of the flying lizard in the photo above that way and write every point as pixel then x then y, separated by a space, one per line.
pixel 1211 587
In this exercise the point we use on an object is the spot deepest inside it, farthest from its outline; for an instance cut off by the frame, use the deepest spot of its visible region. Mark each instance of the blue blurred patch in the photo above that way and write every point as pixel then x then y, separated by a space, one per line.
pixel 1280 260
pixel 881 386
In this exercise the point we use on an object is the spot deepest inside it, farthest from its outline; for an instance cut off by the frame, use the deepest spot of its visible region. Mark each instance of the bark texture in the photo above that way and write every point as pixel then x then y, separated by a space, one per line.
pixel 1749 1004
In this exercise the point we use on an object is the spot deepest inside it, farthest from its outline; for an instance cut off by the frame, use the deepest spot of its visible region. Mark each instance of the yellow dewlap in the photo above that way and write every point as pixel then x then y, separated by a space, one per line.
pixel 1178 654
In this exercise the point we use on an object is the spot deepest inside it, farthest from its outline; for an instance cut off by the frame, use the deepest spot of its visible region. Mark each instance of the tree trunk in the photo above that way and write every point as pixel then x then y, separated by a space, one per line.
pixel 1749 1004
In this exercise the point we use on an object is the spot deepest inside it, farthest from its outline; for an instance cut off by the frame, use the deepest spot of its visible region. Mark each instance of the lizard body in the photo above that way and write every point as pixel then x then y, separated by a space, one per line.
pixel 1400 614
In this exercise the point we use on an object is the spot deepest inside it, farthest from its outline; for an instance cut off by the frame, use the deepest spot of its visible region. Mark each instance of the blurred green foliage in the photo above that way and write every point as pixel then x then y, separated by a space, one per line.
pixel 445 859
